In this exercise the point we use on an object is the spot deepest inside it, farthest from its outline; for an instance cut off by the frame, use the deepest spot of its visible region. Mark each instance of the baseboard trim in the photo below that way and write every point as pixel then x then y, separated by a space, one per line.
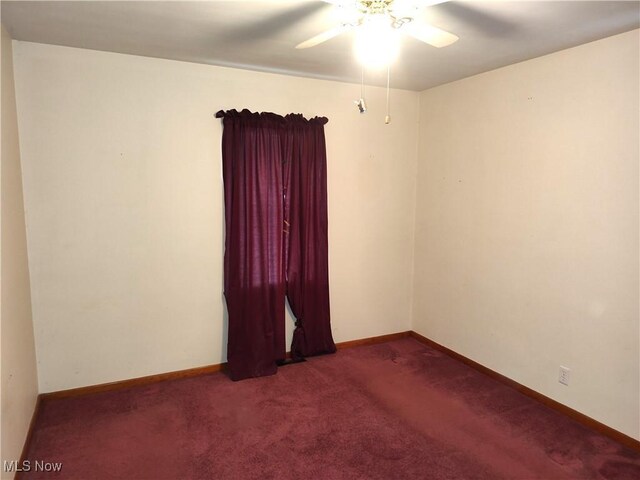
pixel 134 382
pixel 549 402
pixel 373 340
pixel 194 372
pixel 27 440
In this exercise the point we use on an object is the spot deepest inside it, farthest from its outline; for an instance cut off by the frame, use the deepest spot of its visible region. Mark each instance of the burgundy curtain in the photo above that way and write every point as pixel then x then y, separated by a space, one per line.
pixel 274 171
pixel 253 261
pixel 307 268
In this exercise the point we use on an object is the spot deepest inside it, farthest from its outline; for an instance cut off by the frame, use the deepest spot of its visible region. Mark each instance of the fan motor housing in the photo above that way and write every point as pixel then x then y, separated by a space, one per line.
pixel 375 7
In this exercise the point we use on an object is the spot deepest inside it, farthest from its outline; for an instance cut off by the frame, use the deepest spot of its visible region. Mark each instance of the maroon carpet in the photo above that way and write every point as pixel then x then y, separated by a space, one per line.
pixel 397 410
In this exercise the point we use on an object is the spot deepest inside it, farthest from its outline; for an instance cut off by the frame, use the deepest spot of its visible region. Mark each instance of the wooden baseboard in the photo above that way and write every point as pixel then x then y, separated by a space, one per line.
pixel 373 340
pixel 549 402
pixel 194 372
pixel 27 440
pixel 134 382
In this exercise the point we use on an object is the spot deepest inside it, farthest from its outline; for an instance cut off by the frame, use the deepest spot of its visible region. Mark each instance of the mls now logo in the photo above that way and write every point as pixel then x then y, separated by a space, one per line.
pixel 11 466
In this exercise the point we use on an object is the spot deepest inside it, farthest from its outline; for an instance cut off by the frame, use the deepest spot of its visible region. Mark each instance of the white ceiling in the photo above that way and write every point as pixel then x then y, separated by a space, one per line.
pixel 261 35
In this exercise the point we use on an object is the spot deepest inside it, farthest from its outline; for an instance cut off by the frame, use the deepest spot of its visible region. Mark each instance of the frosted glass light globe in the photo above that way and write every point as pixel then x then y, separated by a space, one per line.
pixel 377 43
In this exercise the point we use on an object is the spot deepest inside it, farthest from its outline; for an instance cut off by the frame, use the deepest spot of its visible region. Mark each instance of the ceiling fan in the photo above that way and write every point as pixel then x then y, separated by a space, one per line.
pixel 379 16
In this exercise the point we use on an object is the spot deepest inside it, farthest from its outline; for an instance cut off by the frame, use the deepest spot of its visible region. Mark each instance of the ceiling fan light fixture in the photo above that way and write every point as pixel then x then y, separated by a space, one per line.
pixel 377 42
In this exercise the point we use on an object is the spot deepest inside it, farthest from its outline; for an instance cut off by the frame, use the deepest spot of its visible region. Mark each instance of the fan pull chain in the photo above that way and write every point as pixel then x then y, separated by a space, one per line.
pixel 387 118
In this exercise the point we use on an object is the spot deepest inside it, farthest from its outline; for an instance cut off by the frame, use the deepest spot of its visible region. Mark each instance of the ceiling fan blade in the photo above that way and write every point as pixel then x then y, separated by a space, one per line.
pixel 429 34
pixel 411 7
pixel 324 36
pixel 416 3
pixel 427 3
pixel 342 3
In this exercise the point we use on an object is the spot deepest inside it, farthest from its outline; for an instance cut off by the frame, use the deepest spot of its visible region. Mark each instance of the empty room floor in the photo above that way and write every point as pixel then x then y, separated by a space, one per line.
pixel 394 410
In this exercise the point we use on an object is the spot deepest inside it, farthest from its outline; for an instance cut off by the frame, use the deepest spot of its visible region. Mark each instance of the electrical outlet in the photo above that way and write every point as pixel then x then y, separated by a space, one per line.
pixel 563 378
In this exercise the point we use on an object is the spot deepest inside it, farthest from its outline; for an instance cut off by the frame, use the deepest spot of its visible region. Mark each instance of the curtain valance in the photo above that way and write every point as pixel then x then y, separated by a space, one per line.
pixel 271 118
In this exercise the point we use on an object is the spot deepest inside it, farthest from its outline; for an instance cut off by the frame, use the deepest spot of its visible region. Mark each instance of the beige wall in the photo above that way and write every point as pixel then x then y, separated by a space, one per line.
pixel 19 376
pixel 527 224
pixel 122 174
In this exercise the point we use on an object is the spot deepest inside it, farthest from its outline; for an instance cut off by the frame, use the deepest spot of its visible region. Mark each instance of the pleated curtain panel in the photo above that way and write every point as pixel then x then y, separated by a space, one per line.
pixel 276 244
